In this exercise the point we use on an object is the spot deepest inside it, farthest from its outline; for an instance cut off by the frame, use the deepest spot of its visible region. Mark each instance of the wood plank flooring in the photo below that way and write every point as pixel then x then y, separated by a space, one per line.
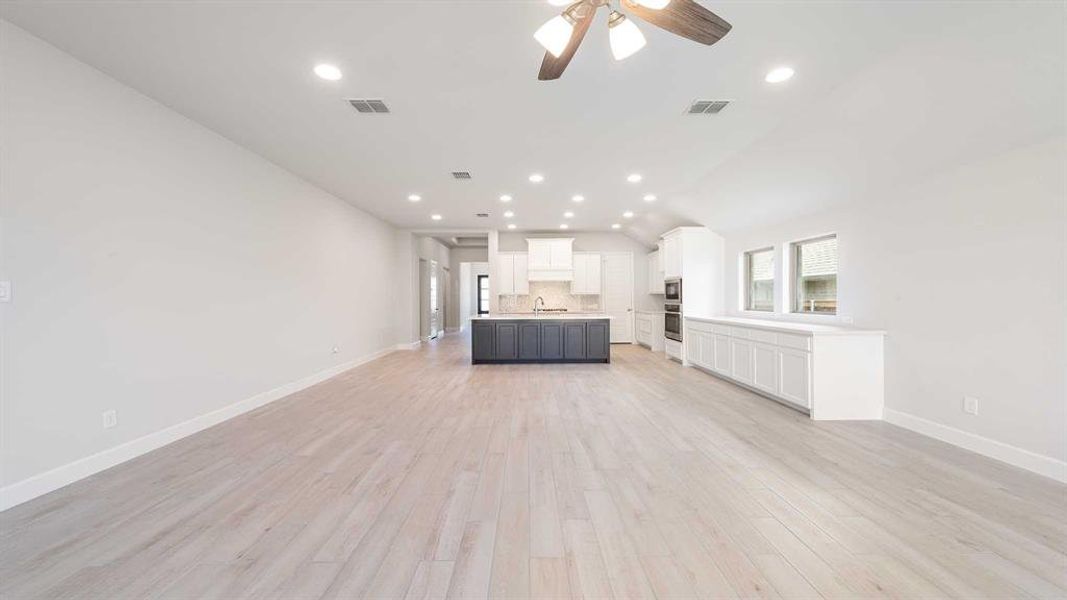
pixel 421 476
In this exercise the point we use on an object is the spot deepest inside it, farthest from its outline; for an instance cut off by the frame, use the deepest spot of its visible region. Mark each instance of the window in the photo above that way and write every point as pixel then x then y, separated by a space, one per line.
pixel 759 280
pixel 815 276
pixel 483 294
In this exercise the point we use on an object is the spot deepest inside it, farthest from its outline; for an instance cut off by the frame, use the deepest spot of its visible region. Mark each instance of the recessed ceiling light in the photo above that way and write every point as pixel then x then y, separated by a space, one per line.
pixel 436 217
pixel 578 198
pixel 414 197
pixel 568 215
pixel 628 214
pixel 564 226
pixel 328 72
pixel 650 197
pixel 779 74
pixel 511 226
pixel 508 214
pixel 634 178
pixel 505 198
pixel 537 178
pixel 615 226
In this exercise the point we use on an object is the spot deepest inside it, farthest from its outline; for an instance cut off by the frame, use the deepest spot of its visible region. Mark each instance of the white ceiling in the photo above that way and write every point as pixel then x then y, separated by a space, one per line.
pixel 884 91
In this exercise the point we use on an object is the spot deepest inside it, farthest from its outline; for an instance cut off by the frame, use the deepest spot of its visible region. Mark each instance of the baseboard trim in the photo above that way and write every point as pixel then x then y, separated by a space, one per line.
pixel 49 481
pixel 410 345
pixel 1018 457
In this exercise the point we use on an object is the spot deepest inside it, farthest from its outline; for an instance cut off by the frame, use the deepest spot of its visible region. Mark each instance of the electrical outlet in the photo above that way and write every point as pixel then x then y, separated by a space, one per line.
pixel 846 319
pixel 111 419
pixel 5 291
pixel 970 405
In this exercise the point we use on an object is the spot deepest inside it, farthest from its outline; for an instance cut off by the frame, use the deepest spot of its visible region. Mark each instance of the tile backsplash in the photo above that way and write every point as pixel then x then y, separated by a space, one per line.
pixel 557 294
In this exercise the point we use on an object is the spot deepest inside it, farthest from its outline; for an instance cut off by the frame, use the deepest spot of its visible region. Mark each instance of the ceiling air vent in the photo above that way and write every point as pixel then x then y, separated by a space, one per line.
pixel 482 215
pixel 707 107
pixel 364 105
pixel 461 175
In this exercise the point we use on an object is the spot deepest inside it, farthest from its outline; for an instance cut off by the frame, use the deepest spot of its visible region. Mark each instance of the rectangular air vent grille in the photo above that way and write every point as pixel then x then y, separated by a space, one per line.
pixel 482 215
pixel 461 175
pixel 368 106
pixel 707 107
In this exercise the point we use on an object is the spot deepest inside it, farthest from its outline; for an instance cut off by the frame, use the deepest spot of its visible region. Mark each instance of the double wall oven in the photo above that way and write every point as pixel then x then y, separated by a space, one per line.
pixel 672 307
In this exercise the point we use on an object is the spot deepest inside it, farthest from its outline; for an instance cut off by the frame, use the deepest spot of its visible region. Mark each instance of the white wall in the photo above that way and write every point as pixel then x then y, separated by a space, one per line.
pixel 599 242
pixel 460 302
pixel 158 270
pixel 966 272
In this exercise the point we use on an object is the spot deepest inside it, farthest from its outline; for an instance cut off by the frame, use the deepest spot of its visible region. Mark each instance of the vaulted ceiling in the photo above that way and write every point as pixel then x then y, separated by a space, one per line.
pixel 884 91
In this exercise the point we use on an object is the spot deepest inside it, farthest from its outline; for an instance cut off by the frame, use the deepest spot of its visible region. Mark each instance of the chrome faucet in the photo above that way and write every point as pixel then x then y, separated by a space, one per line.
pixel 540 301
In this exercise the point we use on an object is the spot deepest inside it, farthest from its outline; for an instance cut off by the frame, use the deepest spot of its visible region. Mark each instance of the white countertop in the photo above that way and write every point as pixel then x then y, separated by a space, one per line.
pixel 787 326
pixel 546 316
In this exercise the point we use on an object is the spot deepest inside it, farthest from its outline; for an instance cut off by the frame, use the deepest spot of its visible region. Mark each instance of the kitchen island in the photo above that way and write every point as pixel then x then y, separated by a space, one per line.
pixel 540 338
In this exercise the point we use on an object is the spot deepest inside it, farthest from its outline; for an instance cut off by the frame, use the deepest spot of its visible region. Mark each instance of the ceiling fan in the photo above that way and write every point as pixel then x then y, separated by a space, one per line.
pixel 563 34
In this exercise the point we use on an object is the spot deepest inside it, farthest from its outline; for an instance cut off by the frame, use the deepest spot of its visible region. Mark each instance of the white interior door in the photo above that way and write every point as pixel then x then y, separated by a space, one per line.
pixel 618 287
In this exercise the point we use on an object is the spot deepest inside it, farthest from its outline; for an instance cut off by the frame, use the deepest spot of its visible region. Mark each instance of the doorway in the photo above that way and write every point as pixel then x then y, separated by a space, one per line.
pixel 434 300
pixel 619 295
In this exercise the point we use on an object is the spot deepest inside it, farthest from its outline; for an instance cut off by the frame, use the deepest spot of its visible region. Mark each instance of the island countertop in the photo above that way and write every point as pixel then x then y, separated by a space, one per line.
pixel 544 315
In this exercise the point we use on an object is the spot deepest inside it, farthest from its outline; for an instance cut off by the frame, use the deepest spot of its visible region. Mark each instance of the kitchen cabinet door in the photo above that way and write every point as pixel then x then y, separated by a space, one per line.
pixel 764 368
pixel 741 354
pixel 482 332
pixel 520 275
pixel 794 376
pixel 506 344
pixel 505 274
pixel 578 284
pixel 672 260
pixel 693 346
pixel 597 342
pixel 552 340
pixel 707 350
pixel 574 340
pixel 723 358
pixel 592 274
pixel 529 341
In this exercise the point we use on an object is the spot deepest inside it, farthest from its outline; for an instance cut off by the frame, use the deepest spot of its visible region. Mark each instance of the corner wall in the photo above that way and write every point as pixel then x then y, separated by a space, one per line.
pixel 159 270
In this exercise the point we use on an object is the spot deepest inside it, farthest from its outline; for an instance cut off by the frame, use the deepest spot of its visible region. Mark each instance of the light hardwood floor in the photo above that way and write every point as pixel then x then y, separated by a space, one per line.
pixel 421 476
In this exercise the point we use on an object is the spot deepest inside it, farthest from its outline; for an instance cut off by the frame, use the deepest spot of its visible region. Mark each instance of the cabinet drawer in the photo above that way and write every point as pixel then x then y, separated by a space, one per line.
pixel 740 332
pixel 699 326
pixel 719 329
pixel 789 340
pixel 758 335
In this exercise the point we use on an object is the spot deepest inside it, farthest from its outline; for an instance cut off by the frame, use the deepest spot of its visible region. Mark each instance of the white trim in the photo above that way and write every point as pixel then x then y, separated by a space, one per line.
pixel 409 346
pixel 1018 457
pixel 43 483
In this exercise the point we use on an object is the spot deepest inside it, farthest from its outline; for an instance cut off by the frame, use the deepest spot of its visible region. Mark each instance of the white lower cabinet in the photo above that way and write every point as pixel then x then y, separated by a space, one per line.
pixel 741 355
pixel 648 329
pixel 794 376
pixel 778 360
pixel 765 367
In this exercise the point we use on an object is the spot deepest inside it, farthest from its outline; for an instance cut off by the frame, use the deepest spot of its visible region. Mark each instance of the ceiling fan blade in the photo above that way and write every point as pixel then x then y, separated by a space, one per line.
pixel 552 67
pixel 685 18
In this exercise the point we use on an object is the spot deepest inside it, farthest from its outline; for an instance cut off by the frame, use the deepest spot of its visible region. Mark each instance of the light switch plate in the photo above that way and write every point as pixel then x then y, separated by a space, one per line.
pixel 5 291
pixel 970 405
pixel 110 418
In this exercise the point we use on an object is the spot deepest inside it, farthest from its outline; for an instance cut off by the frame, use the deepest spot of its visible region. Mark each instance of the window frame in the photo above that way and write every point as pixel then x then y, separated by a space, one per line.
pixel 746 279
pixel 479 299
pixel 795 288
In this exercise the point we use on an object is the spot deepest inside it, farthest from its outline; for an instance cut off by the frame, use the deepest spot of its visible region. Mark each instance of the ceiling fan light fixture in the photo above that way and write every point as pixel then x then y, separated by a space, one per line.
pixel 653 4
pixel 556 33
pixel 625 37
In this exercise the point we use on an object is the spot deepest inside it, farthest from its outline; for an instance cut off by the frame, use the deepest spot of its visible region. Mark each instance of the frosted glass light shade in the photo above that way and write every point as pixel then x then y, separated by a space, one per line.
pixel 654 4
pixel 555 35
pixel 625 38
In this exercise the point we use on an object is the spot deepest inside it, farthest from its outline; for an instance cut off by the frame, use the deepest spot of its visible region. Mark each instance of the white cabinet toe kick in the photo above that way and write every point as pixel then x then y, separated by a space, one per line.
pixel 831 373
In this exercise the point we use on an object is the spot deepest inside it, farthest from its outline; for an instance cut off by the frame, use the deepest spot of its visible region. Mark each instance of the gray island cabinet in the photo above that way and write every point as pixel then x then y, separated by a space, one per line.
pixel 540 340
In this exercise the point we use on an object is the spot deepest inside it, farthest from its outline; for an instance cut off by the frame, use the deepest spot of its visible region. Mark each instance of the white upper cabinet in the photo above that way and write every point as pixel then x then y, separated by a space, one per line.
pixel 512 277
pixel 586 273
pixel 655 273
pixel 672 256
pixel 551 259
